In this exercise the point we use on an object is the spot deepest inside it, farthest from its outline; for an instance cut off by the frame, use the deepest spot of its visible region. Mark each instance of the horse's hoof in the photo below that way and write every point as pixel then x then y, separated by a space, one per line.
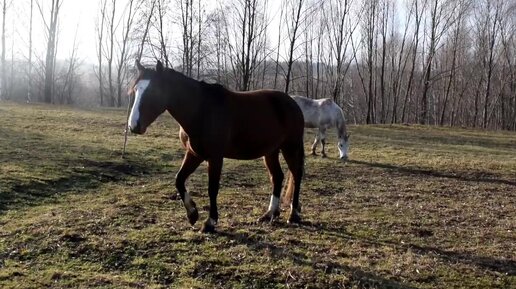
pixel 269 217
pixel 208 226
pixel 323 155
pixel 294 218
pixel 193 216
pixel 313 153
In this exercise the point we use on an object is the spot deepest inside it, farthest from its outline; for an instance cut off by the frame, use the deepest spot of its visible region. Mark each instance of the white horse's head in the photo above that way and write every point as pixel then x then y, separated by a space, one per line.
pixel 343 145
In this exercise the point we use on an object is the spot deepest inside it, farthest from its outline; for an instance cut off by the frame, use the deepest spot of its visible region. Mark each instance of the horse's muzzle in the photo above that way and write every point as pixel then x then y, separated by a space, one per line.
pixel 344 158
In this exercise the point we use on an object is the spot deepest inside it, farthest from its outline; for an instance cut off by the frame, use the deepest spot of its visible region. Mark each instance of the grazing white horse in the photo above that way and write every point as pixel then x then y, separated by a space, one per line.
pixel 323 114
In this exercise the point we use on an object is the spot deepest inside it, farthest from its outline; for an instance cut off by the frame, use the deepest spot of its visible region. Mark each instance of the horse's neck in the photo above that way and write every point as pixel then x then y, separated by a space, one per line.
pixel 185 100
pixel 341 124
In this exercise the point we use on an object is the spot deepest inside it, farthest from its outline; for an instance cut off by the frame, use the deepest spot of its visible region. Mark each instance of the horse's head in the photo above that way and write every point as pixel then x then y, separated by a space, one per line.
pixel 149 101
pixel 343 146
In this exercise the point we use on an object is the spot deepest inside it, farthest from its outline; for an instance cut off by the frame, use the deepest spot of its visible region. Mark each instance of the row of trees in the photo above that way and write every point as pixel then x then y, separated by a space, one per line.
pixel 441 62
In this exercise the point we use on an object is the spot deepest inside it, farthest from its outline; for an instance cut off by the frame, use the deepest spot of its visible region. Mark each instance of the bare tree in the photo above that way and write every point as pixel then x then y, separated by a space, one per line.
pixel 110 54
pixel 123 51
pixel 187 35
pixel 440 19
pixel 493 20
pixel 29 70
pixel 218 26
pixel 147 18
pixel 277 61
pixel 51 29
pixel 508 94
pixel 340 30
pixel 293 20
pixel 162 6
pixel 460 11
pixel 3 92
pixel 370 19
pixel 69 76
pixel 399 61
pixel 247 41
pixel 100 42
pixel 419 8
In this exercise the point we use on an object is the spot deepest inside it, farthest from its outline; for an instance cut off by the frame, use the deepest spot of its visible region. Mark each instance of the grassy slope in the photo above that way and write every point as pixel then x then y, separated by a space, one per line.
pixel 416 207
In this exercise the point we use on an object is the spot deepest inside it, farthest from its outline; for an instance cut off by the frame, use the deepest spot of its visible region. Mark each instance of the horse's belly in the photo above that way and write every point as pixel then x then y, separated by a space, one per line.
pixel 251 151
pixel 251 146
pixel 310 125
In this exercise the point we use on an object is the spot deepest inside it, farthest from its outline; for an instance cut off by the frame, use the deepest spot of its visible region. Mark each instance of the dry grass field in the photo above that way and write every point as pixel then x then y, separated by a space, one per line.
pixel 415 207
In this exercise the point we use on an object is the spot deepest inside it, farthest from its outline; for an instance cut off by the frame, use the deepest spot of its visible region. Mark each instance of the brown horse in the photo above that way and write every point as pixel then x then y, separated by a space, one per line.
pixel 224 124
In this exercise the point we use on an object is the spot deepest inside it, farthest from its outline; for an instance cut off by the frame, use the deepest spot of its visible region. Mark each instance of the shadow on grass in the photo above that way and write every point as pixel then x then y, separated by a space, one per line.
pixel 483 262
pixel 483 177
pixel 63 167
pixel 356 275
pixel 86 175
pixel 423 136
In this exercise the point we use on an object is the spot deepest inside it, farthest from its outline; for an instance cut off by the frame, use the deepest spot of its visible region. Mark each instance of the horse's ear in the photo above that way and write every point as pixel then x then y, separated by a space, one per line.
pixel 159 67
pixel 139 66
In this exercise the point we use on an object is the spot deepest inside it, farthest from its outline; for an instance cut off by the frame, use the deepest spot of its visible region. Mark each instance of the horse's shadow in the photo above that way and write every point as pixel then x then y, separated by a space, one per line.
pixel 356 275
pixel 89 174
pixel 507 267
pixel 483 177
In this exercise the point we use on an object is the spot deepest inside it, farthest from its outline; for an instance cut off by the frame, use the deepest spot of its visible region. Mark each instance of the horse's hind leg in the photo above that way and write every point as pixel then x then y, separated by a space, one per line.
pixel 276 174
pixel 294 157
pixel 322 135
pixel 316 142
pixel 190 164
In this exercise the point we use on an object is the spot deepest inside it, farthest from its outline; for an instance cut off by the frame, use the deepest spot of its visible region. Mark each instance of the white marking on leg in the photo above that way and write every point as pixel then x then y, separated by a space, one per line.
pixel 211 222
pixel 274 204
pixel 134 117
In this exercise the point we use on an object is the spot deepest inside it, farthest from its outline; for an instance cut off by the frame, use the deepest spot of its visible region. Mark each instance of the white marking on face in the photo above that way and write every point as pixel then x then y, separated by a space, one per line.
pixel 274 204
pixel 343 148
pixel 139 88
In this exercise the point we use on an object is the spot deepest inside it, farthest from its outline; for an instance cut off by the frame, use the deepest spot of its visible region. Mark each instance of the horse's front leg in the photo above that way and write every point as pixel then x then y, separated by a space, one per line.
pixel 190 164
pixel 214 171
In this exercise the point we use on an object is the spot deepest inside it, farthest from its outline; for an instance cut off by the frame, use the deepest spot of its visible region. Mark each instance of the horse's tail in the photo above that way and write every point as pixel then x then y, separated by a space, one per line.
pixel 289 190
pixel 288 193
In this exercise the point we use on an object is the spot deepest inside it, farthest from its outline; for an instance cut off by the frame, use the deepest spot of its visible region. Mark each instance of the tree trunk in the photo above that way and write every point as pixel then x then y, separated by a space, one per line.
pixel 3 92
pixel 293 38
pixel 29 71
pixel 50 56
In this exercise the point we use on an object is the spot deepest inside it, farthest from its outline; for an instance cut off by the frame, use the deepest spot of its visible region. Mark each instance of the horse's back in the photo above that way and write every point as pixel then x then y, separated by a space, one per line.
pixel 270 105
pixel 319 113
pixel 263 121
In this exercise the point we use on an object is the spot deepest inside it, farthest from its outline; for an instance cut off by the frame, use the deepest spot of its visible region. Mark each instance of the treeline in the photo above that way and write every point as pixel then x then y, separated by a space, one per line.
pixel 439 62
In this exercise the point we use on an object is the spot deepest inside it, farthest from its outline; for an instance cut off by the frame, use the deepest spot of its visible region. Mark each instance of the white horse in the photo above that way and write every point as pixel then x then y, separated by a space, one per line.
pixel 323 114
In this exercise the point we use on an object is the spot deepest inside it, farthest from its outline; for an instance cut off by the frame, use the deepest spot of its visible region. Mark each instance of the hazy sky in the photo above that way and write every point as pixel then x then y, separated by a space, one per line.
pixel 75 15
pixel 80 15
